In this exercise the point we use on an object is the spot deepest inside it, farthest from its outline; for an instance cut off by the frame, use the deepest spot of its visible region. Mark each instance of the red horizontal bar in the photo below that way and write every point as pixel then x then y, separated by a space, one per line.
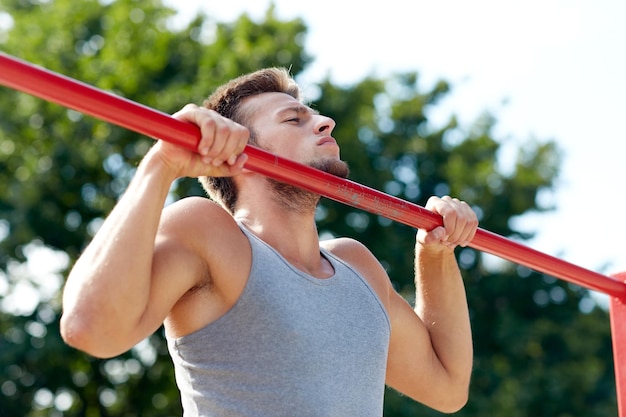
pixel 51 86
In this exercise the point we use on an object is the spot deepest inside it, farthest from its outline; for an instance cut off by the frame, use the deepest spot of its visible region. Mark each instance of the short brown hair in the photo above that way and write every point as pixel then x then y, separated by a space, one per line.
pixel 226 100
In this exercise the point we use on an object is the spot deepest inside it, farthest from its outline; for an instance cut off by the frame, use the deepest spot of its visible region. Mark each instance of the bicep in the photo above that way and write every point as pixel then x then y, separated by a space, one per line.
pixel 413 367
pixel 176 269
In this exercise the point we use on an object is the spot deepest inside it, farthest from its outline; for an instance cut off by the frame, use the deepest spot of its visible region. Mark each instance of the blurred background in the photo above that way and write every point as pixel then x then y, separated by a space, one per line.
pixel 511 107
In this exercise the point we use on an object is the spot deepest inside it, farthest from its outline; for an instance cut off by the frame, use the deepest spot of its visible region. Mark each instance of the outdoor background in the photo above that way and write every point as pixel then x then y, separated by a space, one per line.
pixel 546 68
pixel 542 346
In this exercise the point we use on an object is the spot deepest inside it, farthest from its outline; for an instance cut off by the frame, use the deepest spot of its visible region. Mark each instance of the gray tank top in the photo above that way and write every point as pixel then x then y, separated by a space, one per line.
pixel 292 345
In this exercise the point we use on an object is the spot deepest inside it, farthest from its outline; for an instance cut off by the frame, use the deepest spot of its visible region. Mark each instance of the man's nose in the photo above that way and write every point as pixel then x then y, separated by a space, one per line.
pixel 324 124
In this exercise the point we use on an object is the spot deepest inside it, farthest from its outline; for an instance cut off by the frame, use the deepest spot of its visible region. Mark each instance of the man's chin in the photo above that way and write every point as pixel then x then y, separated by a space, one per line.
pixel 335 167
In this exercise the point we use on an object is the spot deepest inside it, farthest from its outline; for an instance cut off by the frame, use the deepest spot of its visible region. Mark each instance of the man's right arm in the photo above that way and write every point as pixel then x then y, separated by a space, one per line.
pixel 111 299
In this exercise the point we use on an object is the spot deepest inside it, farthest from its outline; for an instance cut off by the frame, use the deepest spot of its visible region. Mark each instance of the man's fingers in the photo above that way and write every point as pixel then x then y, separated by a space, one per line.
pixel 462 222
pixel 228 169
pixel 222 140
pixel 459 222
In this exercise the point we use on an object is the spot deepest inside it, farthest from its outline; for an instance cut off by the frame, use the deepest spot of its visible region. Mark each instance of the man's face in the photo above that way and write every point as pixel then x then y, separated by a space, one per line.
pixel 294 131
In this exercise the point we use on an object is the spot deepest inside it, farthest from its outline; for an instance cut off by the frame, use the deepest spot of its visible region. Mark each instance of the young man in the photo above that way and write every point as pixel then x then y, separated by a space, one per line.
pixel 263 319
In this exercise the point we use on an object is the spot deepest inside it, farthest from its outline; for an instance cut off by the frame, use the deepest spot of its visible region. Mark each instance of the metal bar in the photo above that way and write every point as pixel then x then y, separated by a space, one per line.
pixel 618 332
pixel 51 86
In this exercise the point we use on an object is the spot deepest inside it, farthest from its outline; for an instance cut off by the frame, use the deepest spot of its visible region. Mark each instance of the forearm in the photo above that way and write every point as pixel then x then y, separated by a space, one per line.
pixel 108 287
pixel 441 304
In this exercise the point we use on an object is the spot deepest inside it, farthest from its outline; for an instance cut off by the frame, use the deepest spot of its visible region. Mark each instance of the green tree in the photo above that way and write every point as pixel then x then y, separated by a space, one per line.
pixel 542 348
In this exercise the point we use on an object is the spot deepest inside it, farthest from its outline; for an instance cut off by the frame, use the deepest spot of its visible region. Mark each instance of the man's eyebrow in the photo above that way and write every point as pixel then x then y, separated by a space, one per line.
pixel 298 110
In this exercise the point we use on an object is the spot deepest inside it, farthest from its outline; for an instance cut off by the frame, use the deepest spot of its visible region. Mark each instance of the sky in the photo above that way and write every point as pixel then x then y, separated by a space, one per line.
pixel 546 69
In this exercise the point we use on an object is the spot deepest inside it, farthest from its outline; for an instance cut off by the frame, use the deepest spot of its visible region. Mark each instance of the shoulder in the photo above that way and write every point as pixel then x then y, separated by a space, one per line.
pixel 192 210
pixel 197 221
pixel 347 248
pixel 359 257
pixel 201 226
pixel 353 252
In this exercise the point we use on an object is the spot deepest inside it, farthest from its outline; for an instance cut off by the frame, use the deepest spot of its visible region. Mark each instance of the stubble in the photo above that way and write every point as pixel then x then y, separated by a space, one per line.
pixel 298 200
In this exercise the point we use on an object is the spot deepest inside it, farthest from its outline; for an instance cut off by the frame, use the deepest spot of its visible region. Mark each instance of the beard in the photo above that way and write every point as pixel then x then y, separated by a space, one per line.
pixel 302 201
pixel 336 167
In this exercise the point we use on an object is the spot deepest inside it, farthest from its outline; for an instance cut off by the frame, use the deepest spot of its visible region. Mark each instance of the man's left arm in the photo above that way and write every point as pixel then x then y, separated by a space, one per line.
pixel 431 350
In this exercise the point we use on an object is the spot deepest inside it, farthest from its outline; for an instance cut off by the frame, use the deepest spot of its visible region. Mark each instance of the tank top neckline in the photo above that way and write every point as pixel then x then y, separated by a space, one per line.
pixel 323 252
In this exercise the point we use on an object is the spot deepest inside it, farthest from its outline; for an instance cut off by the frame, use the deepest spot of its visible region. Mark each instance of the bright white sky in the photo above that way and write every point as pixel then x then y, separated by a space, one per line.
pixel 558 64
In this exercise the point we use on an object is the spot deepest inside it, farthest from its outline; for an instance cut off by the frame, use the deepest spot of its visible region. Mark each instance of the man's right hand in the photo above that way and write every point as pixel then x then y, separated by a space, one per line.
pixel 219 151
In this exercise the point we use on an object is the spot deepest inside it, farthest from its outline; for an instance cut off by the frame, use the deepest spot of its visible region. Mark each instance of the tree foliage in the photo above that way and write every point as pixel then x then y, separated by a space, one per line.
pixel 542 348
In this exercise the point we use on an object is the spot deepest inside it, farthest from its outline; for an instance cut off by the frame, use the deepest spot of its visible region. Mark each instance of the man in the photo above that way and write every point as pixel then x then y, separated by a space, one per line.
pixel 261 317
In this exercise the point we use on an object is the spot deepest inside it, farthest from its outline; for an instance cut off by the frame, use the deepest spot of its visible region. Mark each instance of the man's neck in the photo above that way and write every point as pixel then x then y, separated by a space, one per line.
pixel 293 234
